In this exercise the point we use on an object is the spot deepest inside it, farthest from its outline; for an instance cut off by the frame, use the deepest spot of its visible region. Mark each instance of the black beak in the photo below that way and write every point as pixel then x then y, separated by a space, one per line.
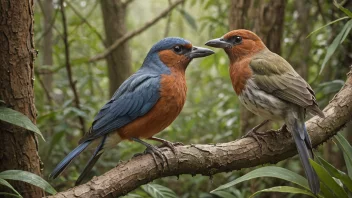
pixel 218 43
pixel 198 52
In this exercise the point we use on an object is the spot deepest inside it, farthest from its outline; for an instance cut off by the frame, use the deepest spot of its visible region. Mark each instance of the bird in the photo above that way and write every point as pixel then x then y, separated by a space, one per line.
pixel 145 104
pixel 267 85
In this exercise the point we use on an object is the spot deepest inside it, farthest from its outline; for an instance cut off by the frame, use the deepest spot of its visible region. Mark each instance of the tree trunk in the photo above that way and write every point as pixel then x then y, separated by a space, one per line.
pixel 299 52
pixel 266 19
pixel 18 146
pixel 119 61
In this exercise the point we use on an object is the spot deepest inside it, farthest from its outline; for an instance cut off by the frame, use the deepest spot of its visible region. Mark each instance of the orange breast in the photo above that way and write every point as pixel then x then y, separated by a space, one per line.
pixel 240 72
pixel 172 98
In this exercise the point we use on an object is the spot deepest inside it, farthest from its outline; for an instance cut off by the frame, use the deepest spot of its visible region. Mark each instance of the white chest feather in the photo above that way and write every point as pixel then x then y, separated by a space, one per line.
pixel 262 103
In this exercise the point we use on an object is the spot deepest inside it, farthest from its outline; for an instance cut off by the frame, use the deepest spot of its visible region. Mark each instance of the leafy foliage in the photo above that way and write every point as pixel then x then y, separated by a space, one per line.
pixel 159 191
pixel 24 176
pixel 333 180
pixel 337 41
pixel 18 119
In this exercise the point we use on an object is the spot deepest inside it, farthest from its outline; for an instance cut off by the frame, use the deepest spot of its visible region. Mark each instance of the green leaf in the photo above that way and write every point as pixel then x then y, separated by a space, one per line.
pixel 18 119
pixel 224 194
pixel 346 33
pixel 330 23
pixel 285 189
pixel 346 148
pixel 9 194
pixel 348 165
pixel 28 177
pixel 7 184
pixel 335 43
pixel 159 191
pixel 344 145
pixel 345 10
pixel 325 191
pixel 268 171
pixel 131 195
pixel 189 18
pixel 337 173
pixel 327 179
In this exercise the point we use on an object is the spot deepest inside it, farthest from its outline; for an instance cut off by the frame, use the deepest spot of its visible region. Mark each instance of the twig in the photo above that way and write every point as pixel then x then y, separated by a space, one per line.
pixel 68 66
pixel 52 22
pixel 127 2
pixel 223 157
pixel 84 20
pixel 320 11
pixel 46 91
pixel 168 23
pixel 130 35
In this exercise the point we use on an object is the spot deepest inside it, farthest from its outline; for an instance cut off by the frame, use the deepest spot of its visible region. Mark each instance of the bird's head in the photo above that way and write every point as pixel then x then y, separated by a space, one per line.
pixel 238 43
pixel 176 52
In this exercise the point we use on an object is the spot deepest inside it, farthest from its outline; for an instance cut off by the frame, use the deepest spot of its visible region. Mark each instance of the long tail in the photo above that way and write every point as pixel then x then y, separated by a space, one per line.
pixel 68 159
pixel 304 147
pixel 97 153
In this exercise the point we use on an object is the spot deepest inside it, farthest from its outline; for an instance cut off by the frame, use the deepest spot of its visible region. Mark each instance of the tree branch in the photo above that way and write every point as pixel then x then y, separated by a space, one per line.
pixel 134 33
pixel 127 2
pixel 222 157
pixel 68 66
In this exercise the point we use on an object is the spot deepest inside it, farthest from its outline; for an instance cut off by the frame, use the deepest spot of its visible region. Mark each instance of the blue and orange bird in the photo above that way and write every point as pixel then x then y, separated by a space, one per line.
pixel 145 104
pixel 268 86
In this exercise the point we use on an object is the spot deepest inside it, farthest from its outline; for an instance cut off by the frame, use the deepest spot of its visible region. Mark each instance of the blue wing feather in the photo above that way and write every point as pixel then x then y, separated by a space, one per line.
pixel 136 96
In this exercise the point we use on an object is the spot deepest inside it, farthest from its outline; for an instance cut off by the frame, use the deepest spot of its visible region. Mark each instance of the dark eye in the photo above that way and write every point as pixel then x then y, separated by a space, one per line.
pixel 237 39
pixel 178 49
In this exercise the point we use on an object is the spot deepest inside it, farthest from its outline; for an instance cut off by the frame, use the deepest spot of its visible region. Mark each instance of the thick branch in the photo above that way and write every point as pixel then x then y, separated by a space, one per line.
pixel 134 33
pixel 221 157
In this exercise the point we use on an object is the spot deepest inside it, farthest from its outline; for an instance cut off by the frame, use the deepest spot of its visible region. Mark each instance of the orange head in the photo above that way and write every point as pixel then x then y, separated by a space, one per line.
pixel 238 44
pixel 175 57
pixel 172 52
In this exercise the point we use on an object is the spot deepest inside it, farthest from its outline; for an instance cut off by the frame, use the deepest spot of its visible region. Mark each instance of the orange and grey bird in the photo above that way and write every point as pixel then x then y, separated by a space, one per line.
pixel 145 104
pixel 268 86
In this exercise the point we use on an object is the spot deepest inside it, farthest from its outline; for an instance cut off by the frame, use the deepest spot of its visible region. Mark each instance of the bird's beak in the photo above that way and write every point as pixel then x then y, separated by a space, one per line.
pixel 198 52
pixel 218 43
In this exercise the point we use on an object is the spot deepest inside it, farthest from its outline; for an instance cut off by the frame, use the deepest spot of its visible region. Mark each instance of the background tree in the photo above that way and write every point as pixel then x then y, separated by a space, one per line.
pixel 119 61
pixel 19 147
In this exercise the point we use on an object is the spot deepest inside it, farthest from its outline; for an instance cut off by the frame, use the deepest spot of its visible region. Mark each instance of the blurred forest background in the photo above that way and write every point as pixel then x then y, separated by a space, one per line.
pixel 72 83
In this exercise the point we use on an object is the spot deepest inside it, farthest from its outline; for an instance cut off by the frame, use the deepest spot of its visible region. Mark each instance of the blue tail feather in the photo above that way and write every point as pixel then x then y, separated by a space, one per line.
pixel 67 160
pixel 305 152
pixel 97 153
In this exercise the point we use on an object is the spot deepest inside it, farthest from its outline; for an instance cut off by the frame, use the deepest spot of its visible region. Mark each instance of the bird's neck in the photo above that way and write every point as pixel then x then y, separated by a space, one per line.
pixel 240 72
pixel 153 64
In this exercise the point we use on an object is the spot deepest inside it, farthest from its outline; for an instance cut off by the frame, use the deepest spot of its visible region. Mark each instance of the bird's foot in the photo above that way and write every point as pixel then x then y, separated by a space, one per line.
pixel 168 144
pixel 154 151
pixel 253 133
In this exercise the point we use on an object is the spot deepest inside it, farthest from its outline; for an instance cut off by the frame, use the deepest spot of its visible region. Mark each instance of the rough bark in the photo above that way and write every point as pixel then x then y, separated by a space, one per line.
pixel 119 60
pixel 18 146
pixel 221 157
pixel 266 19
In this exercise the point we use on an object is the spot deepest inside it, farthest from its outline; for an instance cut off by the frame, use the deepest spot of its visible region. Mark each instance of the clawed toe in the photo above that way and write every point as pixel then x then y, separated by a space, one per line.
pixel 155 151
pixel 171 145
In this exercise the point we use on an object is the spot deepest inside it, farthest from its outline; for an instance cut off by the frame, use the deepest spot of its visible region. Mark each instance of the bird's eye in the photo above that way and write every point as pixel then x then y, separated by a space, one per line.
pixel 178 49
pixel 237 39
